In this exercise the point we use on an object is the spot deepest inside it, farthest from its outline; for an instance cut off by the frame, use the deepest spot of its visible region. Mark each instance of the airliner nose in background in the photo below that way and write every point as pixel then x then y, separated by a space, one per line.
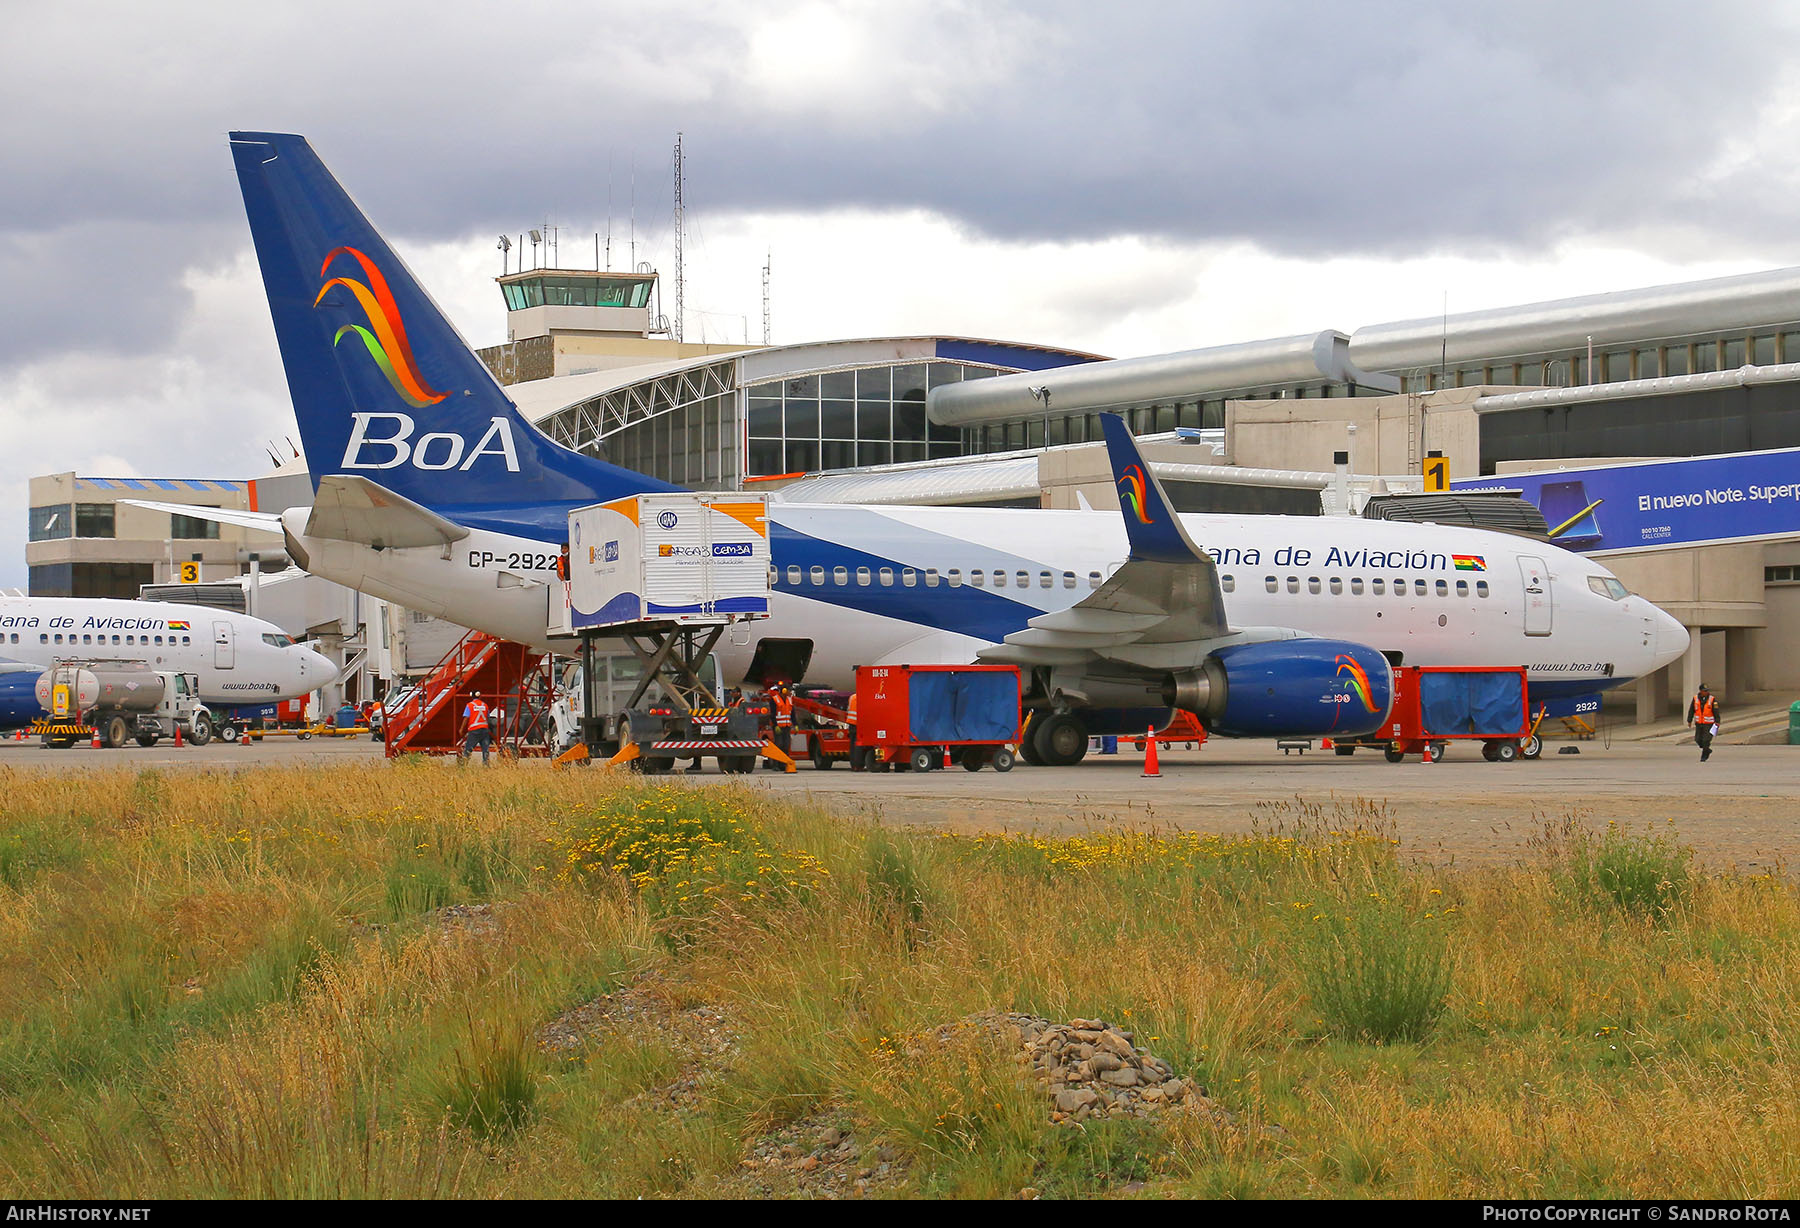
pixel 239 659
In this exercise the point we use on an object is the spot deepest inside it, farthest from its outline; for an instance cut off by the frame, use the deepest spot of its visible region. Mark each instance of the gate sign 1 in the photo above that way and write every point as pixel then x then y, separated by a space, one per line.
pixel 1437 474
pixel 1743 496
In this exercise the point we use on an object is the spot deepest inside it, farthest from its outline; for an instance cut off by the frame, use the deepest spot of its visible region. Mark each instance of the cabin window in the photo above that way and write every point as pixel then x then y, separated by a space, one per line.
pixel 159 640
pixel 840 575
pixel 1356 587
pixel 793 575
pixel 1462 588
pixel 887 577
pixel 1228 583
pixel 42 638
pixel 999 578
pixel 909 577
pixel 977 577
pixel 862 576
pixel 816 575
pixel 1312 585
pixel 1068 579
pixel 59 639
pixel 1378 586
pixel 1337 586
pixel 184 639
pixel 1093 579
pixel 88 639
pixel 1293 584
pixel 1443 589
pixel 1044 580
pixel 1271 584
pixel 1418 588
pixel 955 577
pixel 1024 579
pixel 931 577
pixel 1481 588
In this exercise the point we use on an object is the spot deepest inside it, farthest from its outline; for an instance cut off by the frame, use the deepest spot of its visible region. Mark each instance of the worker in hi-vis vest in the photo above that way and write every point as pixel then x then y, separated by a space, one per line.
pixel 475 730
pixel 1703 715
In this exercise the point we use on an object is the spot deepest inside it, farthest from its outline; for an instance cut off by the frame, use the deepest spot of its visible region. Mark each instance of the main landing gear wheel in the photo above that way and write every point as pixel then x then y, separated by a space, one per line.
pixel 1059 740
pixel 1530 746
pixel 1028 743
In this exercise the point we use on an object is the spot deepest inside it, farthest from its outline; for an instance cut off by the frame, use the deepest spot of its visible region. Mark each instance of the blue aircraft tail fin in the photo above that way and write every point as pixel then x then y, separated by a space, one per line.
pixel 1150 521
pixel 383 385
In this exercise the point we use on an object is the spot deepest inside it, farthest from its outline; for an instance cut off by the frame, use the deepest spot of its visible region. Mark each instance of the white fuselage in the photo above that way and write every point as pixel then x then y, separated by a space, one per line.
pixel 239 659
pixel 871 586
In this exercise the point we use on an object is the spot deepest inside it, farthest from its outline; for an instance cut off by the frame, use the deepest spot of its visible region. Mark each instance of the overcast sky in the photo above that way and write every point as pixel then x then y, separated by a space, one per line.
pixel 1124 178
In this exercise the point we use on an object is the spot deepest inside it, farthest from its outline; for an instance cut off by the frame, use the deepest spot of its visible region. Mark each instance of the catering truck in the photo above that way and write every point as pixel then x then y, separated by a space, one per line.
pixel 120 700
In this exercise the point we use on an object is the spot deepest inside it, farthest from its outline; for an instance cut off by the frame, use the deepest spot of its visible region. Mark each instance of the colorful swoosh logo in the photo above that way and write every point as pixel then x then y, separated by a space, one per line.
pixel 387 344
pixel 1131 491
pixel 1358 681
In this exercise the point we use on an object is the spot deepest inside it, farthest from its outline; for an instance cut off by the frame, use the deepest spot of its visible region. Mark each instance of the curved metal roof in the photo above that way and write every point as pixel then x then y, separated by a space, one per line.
pixel 1649 314
pixel 1156 378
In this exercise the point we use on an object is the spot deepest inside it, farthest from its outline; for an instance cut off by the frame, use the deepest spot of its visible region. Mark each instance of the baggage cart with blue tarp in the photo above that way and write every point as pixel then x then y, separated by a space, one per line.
pixel 1435 705
pixel 919 716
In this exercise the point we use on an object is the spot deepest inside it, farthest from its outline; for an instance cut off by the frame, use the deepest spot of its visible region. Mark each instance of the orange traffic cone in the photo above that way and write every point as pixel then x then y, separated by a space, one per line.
pixel 1150 767
pixel 96 741
pixel 1327 744
pixel 178 734
pixel 1428 756
pixel 21 734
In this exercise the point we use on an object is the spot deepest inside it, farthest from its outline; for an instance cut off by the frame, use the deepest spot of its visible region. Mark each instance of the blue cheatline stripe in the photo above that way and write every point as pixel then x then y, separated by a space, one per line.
pixel 1547 689
pixel 963 610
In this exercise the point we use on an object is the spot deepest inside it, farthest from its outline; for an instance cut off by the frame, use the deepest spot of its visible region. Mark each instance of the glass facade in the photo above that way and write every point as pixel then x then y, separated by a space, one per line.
pixel 50 523
pixel 90 579
pixel 577 291
pixel 848 419
pixel 1616 363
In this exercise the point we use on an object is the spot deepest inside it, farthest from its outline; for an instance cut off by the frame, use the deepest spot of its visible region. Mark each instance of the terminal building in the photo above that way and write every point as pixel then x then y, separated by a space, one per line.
pixel 1700 368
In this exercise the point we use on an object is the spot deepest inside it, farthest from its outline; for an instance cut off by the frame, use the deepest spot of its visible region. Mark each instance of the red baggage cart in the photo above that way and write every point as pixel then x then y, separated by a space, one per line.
pixel 918 716
pixel 1436 705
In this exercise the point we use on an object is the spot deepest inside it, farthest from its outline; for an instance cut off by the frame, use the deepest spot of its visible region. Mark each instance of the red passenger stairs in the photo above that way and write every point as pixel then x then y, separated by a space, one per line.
pixel 514 681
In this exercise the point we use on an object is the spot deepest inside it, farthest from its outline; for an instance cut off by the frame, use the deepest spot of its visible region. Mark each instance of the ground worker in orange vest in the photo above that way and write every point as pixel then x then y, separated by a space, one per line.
pixel 1703 715
pixel 781 704
pixel 475 730
pixel 859 755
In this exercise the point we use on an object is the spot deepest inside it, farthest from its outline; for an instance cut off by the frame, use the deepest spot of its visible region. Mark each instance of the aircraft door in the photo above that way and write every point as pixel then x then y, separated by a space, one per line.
pixel 1538 606
pixel 224 649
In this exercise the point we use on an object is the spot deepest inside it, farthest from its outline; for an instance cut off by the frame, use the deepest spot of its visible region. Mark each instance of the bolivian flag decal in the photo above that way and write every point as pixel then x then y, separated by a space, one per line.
pixel 1469 562
pixel 175 625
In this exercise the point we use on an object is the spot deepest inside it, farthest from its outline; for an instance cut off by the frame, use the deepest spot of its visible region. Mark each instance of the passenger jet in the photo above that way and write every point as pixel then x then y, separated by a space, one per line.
pixel 433 491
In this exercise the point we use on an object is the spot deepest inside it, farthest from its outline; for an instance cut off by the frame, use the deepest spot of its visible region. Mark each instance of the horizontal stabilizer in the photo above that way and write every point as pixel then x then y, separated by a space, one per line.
pixel 262 522
pixel 354 509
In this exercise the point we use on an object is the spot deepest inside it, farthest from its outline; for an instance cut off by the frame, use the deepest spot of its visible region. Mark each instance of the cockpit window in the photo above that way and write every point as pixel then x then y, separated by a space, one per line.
pixel 278 640
pixel 1608 587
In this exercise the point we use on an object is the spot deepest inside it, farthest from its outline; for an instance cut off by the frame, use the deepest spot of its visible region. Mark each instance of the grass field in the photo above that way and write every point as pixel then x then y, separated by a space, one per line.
pixel 413 981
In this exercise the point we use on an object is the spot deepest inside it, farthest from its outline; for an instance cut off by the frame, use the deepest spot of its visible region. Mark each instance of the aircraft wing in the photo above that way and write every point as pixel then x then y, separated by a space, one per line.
pixel 1163 601
pixel 265 522
pixel 355 509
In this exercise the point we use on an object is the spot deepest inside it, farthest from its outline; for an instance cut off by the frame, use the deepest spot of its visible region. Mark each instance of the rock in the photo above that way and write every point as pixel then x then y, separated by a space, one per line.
pixel 1028 1194
pixel 1072 1099
pixel 1088 1035
pixel 809 1163
pixel 830 1136
pixel 1151 1095
pixel 1114 1043
pixel 1100 1063
pixel 1120 1078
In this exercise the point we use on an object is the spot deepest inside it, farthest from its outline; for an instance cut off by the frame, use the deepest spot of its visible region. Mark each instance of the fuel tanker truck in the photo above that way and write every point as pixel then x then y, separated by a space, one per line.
pixel 120 699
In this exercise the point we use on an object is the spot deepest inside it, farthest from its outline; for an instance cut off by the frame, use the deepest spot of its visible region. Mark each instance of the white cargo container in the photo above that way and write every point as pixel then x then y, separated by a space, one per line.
pixel 682 557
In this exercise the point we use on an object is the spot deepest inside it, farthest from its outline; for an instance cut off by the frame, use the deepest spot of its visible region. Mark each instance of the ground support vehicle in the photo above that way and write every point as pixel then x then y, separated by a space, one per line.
pixel 122 700
pixel 919 717
pixel 821 730
pixel 1183 727
pixel 663 574
pixel 1434 706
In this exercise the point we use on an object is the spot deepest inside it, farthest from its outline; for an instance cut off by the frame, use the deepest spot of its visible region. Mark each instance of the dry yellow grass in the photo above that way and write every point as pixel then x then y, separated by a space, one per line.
pixel 325 983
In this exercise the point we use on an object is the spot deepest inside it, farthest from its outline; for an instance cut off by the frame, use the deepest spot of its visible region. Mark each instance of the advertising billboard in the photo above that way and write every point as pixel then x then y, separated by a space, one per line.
pixel 1657 504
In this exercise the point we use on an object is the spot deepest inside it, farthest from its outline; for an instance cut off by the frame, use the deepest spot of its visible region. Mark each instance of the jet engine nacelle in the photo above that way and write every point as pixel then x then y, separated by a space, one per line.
pixel 1287 688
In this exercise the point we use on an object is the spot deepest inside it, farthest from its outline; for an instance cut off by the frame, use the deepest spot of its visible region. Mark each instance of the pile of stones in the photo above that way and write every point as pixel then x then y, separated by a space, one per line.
pixel 1093 1070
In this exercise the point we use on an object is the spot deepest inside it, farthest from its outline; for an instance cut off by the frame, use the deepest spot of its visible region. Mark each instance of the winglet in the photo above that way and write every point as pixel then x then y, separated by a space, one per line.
pixel 1150 521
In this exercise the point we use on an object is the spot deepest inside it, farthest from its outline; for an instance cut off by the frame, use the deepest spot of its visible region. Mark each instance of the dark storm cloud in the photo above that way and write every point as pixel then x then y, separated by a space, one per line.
pixel 1302 128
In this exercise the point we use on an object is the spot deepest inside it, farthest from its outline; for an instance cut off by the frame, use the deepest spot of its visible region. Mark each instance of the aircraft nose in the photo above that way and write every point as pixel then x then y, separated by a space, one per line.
pixel 1671 639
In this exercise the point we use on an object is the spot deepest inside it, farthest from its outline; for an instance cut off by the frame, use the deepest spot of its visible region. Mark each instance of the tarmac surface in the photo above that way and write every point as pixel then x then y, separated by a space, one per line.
pixel 1741 809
